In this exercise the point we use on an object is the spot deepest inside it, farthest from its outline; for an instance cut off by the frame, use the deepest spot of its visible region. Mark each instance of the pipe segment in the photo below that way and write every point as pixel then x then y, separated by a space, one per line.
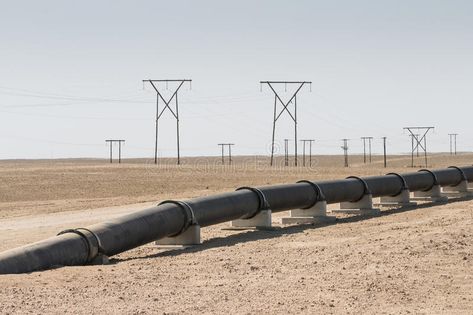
pixel 142 227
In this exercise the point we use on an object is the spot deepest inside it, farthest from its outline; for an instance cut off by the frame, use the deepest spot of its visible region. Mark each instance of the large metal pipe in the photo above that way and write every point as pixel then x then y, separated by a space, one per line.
pixel 81 246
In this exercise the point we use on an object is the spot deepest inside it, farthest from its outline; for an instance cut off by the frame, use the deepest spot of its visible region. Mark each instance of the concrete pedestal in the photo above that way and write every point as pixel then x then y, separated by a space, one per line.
pixel 261 220
pixel 315 214
pixel 402 200
pixel 191 236
pixel 459 191
pixel 432 195
pixel 101 259
pixel 364 206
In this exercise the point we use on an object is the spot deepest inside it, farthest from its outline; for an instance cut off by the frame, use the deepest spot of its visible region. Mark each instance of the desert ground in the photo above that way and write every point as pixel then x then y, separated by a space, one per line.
pixel 403 261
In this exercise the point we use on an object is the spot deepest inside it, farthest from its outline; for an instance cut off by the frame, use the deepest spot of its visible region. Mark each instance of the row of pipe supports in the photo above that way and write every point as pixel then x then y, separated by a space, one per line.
pixel 176 221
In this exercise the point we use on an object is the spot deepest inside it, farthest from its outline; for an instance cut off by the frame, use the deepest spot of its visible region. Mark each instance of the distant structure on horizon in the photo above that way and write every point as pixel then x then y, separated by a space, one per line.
pixel 112 142
pixel 175 112
pixel 277 115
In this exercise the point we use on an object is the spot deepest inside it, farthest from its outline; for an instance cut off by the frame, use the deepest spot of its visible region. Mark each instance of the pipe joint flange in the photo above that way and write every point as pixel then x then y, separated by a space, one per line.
pixel 462 174
pixel 403 183
pixel 366 189
pixel 188 213
pixel 263 203
pixel 91 241
pixel 319 193
pixel 436 182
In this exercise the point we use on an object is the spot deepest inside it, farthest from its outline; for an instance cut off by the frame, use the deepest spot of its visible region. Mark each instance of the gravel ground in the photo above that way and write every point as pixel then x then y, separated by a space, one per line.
pixel 416 261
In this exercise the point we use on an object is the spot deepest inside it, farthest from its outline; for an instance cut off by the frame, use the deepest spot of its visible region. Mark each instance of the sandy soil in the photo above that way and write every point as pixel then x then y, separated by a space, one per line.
pixel 417 261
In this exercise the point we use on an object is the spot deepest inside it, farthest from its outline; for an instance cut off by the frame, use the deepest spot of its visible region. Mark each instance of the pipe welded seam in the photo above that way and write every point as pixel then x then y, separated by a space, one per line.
pixel 462 174
pixel 366 189
pixel 188 213
pixel 435 182
pixel 319 195
pixel 263 203
pixel 92 249
pixel 404 185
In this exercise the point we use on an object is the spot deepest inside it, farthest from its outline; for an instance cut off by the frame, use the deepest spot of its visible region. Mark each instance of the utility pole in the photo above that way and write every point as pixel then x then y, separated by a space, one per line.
pixel 230 153
pixel 384 152
pixel 345 151
pixel 111 142
pixel 286 152
pixel 364 148
pixel 175 112
pixel 304 141
pixel 223 158
pixel 229 145
pixel 453 136
pixel 285 108
pixel 420 141
pixel 111 150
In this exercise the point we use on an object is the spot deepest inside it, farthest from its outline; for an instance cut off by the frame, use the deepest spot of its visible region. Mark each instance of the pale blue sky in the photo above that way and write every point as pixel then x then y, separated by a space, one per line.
pixel 71 71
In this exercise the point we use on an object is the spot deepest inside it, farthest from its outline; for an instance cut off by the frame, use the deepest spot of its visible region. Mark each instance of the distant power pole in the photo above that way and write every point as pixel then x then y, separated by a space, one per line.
pixel 420 141
pixel 229 145
pixel 364 148
pixel 345 151
pixel 111 142
pixel 384 152
pixel 223 157
pixel 175 112
pixel 453 144
pixel 285 105
pixel 230 152
pixel 286 152
pixel 304 141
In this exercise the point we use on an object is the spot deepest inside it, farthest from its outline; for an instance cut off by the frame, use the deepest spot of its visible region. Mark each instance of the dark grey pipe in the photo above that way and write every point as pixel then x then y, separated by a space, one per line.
pixel 148 225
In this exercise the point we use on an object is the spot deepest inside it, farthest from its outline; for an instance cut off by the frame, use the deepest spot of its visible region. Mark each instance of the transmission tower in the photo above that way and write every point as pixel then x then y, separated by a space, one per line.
pixel 304 141
pixel 175 112
pixel 420 140
pixel 345 151
pixel 277 114
pixel 384 151
pixel 111 142
pixel 413 143
pixel 364 148
pixel 229 146
pixel 453 144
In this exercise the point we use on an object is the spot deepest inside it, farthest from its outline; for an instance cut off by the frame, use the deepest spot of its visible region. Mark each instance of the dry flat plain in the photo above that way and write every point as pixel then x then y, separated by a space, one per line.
pixel 416 261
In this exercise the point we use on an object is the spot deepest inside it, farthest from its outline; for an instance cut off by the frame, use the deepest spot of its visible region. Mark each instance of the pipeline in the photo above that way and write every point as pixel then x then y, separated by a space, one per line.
pixel 82 246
